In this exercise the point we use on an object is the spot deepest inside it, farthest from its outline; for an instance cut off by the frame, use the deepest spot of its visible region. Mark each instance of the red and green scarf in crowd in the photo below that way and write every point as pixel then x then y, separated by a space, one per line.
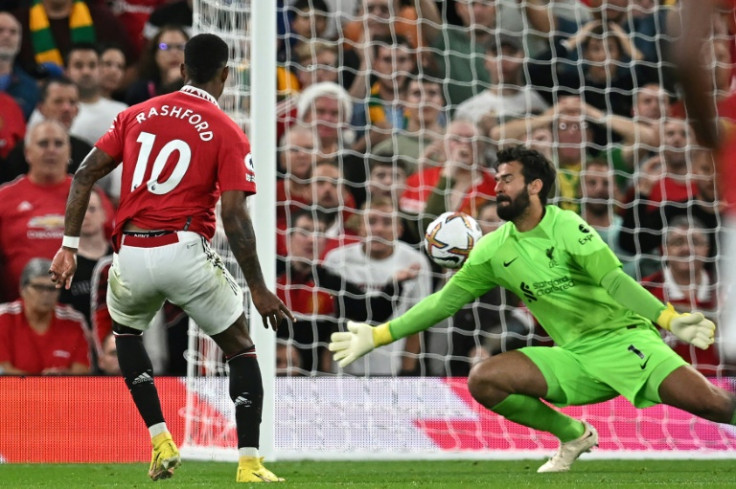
pixel 44 45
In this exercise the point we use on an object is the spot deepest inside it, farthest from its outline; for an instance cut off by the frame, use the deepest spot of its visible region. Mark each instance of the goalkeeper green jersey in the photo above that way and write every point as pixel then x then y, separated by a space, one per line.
pixel 556 269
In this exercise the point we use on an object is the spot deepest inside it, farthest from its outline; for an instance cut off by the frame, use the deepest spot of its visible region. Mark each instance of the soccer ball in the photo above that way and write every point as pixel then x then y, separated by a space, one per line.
pixel 450 237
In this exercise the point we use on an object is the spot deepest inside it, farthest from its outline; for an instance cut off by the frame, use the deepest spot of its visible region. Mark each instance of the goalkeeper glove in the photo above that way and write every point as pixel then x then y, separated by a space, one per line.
pixel 691 328
pixel 360 339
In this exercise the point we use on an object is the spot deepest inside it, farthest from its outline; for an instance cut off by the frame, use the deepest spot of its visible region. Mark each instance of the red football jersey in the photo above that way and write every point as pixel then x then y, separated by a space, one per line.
pixel 61 346
pixel 179 152
pixel 31 225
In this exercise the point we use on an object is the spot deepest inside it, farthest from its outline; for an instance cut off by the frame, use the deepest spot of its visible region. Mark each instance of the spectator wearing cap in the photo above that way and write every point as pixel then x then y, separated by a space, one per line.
pixel 508 96
pixel 37 335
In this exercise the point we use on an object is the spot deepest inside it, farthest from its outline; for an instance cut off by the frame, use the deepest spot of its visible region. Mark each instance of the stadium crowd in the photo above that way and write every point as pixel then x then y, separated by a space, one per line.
pixel 390 112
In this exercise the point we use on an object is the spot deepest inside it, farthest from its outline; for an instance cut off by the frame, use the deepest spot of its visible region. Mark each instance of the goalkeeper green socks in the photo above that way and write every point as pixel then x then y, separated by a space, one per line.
pixel 532 412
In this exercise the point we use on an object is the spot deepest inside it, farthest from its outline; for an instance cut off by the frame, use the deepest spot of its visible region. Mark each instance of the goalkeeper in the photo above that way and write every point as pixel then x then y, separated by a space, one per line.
pixel 599 317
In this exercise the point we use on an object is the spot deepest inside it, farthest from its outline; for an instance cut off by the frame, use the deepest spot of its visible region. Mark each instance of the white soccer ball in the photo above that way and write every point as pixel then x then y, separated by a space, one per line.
pixel 450 237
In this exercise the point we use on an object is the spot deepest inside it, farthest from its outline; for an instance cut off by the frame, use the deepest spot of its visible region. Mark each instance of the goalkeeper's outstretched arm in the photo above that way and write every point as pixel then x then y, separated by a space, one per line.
pixel 362 338
pixel 691 328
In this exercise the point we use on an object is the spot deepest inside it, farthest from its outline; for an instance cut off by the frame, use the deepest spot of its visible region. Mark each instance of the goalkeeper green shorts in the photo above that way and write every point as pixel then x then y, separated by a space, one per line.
pixel 632 362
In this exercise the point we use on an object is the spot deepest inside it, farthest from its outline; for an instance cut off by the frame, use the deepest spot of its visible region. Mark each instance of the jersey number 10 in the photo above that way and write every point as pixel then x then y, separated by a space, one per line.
pixel 182 164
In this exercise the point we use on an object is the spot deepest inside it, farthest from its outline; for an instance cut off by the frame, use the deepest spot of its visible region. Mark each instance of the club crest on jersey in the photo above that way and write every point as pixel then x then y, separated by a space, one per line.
pixel 249 163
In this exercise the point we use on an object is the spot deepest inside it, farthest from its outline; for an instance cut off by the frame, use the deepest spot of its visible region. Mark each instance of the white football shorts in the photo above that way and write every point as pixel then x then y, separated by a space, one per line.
pixel 180 267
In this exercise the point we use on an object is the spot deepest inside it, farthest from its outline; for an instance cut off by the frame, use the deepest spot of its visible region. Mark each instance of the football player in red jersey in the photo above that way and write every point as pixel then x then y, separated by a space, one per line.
pixel 715 128
pixel 180 152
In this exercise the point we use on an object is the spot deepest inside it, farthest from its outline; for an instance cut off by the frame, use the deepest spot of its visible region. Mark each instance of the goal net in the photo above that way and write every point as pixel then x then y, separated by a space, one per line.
pixel 415 85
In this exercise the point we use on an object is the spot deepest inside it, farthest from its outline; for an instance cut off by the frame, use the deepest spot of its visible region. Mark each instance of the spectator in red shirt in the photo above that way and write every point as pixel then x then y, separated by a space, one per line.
pixel 686 284
pixel 12 125
pixel 32 206
pixel 39 336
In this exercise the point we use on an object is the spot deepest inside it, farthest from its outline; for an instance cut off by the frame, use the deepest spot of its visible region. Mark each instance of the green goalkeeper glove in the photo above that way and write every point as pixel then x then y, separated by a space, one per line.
pixel 691 328
pixel 361 338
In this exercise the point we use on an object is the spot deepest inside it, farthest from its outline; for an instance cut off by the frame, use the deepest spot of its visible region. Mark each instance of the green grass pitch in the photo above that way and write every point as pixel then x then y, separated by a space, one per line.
pixel 710 474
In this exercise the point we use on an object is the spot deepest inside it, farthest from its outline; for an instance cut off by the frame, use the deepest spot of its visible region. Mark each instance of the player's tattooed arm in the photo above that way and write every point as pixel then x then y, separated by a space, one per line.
pixel 96 165
pixel 241 236
pixel 242 239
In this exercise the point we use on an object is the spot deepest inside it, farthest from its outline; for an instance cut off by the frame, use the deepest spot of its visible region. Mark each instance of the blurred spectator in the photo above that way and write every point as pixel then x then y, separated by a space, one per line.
pixel 572 138
pixel 12 127
pixel 646 27
pixel 307 21
pixel 332 199
pixel 52 26
pixel 32 207
pixel 603 77
pixel 107 359
pixel 686 284
pixel 288 361
pixel 96 112
pixel 461 184
pixel 93 245
pixel 37 335
pixel 59 102
pixel 369 263
pixel 112 72
pixel 376 19
pixel 422 127
pixel 387 177
pixel 316 62
pixel 676 143
pixel 459 50
pixel 307 288
pixel 597 191
pixel 643 224
pixel 382 110
pixel 13 79
pixel 327 107
pixel 160 65
pixel 177 12
pixel 133 15
pixel 295 190
pixel 508 96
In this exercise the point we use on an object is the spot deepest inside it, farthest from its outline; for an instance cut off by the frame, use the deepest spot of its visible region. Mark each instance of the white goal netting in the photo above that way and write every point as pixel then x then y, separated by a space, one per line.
pixel 403 105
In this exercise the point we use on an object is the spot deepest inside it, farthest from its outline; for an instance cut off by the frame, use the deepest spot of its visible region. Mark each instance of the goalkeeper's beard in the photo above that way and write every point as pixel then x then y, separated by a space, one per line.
pixel 515 208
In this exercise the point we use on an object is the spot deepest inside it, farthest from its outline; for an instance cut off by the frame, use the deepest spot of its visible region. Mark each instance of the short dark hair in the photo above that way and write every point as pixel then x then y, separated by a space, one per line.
pixel 388 159
pixel 44 92
pixel 82 46
pixel 389 42
pixel 319 6
pixel 204 56
pixel 534 166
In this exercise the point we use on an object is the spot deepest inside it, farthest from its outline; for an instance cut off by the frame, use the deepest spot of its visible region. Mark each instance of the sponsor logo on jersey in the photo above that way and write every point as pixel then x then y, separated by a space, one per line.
pixel 527 292
pixel 585 239
pixel 545 287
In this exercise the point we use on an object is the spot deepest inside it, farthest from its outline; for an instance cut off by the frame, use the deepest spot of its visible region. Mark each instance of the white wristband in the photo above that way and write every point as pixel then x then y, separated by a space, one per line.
pixel 70 242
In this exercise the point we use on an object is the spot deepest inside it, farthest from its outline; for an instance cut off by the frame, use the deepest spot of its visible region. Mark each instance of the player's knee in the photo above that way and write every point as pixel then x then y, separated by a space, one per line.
pixel 482 381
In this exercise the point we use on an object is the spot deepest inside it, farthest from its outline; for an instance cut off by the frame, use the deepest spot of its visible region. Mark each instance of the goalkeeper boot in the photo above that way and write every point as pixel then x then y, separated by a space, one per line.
pixel 570 451
pixel 251 469
pixel 165 457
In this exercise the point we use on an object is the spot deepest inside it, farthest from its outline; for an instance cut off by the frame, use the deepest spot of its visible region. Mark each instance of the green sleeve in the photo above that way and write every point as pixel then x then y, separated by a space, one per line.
pixel 430 311
pixel 628 292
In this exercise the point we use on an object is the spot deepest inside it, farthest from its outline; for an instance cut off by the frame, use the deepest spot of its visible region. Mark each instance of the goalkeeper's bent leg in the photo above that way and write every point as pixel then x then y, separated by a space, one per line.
pixel 511 385
pixel 246 391
pixel 138 373
pixel 532 412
